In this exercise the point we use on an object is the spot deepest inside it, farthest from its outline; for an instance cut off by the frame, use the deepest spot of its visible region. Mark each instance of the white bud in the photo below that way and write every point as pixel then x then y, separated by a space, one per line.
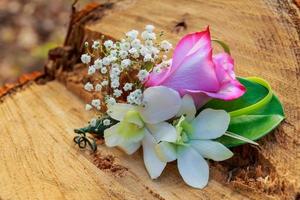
pixel 103 70
pixel 143 75
pixel 114 52
pixel 106 61
pixel 93 122
pixel 148 58
pixel 136 43
pixel 104 83
pixel 96 45
pixel 112 58
pixel 98 87
pixel 123 54
pixel 108 44
pixel 154 51
pixel 91 70
pixel 115 83
pixel 165 45
pixel 149 28
pixel 133 50
pixel 106 122
pixel 98 63
pixel 127 86
pixel 135 97
pixel 125 46
pixel 96 103
pixel 148 35
pixel 132 34
pixel 125 63
pixel 85 58
pixel 115 71
pixel 88 87
pixel 117 93
pixel 110 101
pixel 88 107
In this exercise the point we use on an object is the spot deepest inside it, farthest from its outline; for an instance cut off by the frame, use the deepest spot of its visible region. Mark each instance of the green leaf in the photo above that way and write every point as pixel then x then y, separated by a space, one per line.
pixel 148 66
pixel 253 115
pixel 223 45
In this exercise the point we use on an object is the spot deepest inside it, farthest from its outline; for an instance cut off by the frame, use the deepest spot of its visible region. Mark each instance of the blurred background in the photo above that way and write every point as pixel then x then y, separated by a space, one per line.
pixel 28 29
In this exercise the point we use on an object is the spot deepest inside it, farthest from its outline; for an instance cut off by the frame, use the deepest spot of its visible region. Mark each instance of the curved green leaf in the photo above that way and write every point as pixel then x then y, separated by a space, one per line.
pixel 254 123
pixel 223 45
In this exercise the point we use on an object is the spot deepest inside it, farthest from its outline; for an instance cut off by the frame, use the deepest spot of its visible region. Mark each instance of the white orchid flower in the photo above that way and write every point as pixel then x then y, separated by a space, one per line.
pixel 194 142
pixel 145 125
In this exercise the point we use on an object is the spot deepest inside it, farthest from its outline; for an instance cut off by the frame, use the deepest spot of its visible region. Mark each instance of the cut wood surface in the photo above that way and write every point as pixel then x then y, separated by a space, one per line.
pixel 40 161
pixel 38 158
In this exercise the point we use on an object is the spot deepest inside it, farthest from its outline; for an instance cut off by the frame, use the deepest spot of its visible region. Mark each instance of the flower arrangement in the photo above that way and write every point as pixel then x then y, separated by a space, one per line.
pixel 188 108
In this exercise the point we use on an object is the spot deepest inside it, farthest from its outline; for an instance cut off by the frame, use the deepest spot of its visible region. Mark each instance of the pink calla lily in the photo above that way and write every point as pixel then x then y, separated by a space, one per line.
pixel 196 71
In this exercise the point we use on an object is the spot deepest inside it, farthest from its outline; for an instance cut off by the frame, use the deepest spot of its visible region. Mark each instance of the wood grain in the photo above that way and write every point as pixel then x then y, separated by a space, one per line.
pixel 40 161
pixel 38 158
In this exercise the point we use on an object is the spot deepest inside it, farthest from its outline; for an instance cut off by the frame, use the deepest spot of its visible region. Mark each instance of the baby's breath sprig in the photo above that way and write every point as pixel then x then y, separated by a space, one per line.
pixel 124 66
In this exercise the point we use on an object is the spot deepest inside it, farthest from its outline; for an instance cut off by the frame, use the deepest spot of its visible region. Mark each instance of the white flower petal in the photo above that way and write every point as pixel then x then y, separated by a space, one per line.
pixel 153 164
pixel 119 110
pixel 124 134
pixel 111 136
pixel 187 108
pixel 130 133
pixel 211 149
pixel 160 104
pixel 133 116
pixel 163 131
pixel 130 148
pixel 210 124
pixel 166 151
pixel 192 167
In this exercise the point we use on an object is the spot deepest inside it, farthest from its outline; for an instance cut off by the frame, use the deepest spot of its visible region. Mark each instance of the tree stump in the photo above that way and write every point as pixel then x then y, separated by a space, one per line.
pixel 40 161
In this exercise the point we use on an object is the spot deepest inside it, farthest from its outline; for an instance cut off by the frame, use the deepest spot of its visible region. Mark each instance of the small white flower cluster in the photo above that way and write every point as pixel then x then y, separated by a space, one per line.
pixel 127 87
pixel 88 87
pixel 135 97
pixel 165 45
pixel 93 122
pixel 110 100
pixel 143 75
pixel 96 103
pixel 125 65
pixel 86 58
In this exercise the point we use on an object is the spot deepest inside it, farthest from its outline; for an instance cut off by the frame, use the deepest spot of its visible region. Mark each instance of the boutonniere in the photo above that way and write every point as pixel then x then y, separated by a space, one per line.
pixel 190 107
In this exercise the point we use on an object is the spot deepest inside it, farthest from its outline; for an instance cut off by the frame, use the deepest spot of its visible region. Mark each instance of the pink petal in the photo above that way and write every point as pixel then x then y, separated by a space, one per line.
pixel 186 47
pixel 197 72
pixel 229 91
pixel 224 67
pixel 155 78
pixel 189 44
